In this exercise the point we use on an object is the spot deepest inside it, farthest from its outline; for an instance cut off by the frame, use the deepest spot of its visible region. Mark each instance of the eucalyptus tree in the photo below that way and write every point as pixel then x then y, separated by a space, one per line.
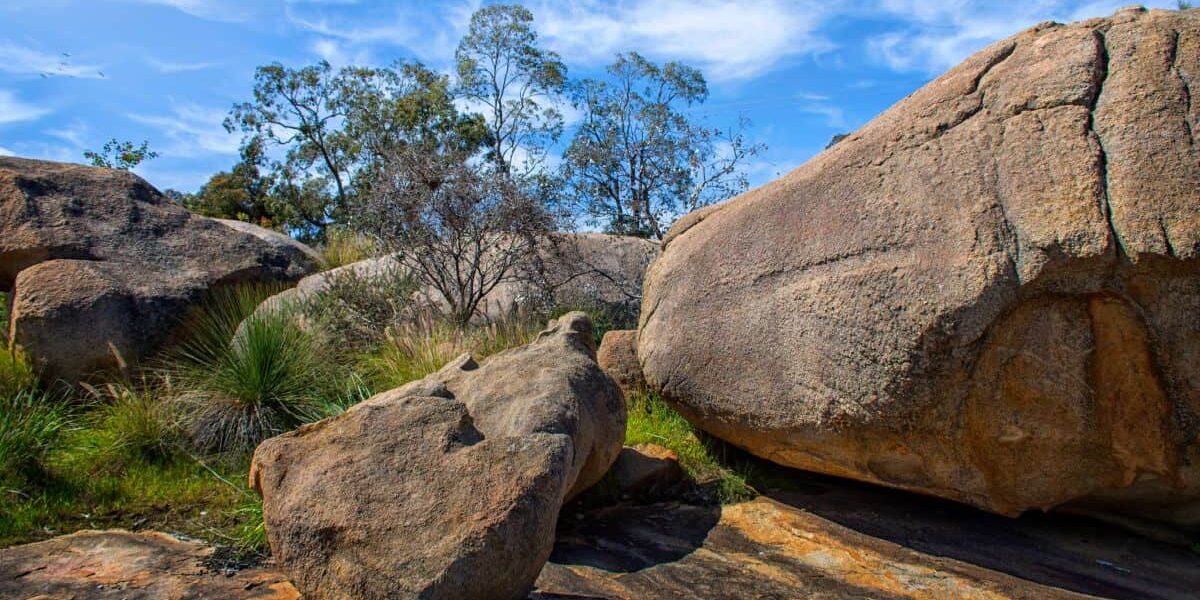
pixel 514 82
pixel 637 160
pixel 333 127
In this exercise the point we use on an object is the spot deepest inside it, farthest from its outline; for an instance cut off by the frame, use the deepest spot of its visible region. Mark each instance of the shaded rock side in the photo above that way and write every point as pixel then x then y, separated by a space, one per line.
pixel 988 293
pixel 101 264
pixel 448 487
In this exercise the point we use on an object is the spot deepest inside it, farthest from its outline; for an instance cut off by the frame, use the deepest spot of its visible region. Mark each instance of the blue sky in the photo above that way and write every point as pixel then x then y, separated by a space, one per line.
pixel 76 73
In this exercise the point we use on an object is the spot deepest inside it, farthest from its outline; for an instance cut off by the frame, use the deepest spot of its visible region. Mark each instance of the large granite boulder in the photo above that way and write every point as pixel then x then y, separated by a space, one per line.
pixel 101 265
pixel 989 293
pixel 448 487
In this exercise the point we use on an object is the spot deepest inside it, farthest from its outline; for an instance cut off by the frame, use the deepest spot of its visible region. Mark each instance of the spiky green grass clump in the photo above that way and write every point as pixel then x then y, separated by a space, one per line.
pixel 243 377
pixel 16 372
pixel 30 425
pixel 652 421
pixel 134 422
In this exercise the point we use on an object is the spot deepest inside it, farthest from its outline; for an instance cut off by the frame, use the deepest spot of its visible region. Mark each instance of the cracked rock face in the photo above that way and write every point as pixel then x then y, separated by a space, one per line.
pixel 989 293
pixel 101 265
pixel 448 487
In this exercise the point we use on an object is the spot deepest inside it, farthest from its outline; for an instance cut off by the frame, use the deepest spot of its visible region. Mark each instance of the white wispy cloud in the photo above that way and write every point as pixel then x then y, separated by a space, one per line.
pixel 934 36
pixel 832 115
pixel 729 40
pixel 192 130
pixel 20 60
pixel 338 54
pixel 170 68
pixel 74 134
pixel 6 152
pixel 212 10
pixel 14 110
pixel 431 35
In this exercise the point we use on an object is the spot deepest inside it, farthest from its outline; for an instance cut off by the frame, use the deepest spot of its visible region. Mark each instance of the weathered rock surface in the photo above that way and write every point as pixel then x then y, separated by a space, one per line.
pixel 119 565
pixel 831 538
pixel 618 357
pixel 820 538
pixel 102 265
pixel 300 253
pixel 448 487
pixel 597 270
pixel 989 293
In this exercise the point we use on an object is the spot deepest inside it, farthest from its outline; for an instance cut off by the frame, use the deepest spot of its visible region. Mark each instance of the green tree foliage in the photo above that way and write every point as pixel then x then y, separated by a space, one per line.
pixel 334 126
pixel 300 110
pixel 638 160
pixel 120 155
pixel 515 83
pixel 244 193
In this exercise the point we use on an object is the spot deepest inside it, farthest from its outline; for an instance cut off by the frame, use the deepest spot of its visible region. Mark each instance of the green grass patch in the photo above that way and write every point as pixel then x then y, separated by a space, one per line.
pixel 16 372
pixel 706 461
pixel 31 423
pixel 80 491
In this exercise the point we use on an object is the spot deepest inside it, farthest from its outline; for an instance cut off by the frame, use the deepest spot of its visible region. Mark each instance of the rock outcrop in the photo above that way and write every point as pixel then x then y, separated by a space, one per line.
pixel 618 357
pixel 102 265
pixel 988 293
pixel 448 487
pixel 121 565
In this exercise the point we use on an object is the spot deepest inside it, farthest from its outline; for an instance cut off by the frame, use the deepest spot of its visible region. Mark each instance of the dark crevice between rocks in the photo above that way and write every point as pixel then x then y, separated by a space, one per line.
pixel 944 128
pixel 1101 76
pixel 1185 88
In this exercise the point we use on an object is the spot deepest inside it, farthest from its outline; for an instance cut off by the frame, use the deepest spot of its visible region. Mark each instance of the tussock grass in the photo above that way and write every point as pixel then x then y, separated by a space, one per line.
pixel 16 372
pixel 422 346
pixel 133 421
pixel 31 423
pixel 343 246
pixel 240 379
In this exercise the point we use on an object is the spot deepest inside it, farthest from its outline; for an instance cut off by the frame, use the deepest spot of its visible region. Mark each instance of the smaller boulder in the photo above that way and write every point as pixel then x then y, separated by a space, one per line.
pixel 646 469
pixel 618 357
pixel 450 486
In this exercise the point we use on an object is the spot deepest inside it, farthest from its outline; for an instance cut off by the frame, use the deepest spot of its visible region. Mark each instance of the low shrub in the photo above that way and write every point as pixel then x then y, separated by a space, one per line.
pixel 354 311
